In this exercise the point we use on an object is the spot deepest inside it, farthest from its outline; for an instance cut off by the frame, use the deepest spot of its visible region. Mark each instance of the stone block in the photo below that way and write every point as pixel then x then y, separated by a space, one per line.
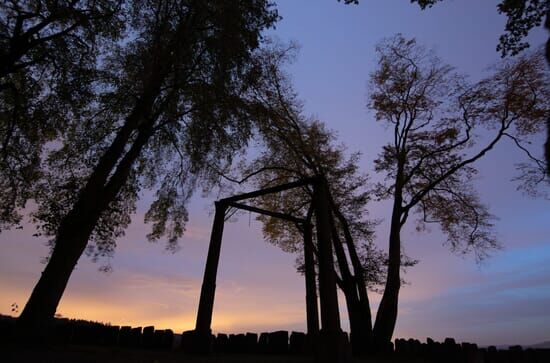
pixel 124 336
pixel 221 343
pixel 297 343
pixel 278 342
pixel 147 338
pixel 251 344
pixel 263 340
pixel 135 337
pixel 111 335
pixel 168 340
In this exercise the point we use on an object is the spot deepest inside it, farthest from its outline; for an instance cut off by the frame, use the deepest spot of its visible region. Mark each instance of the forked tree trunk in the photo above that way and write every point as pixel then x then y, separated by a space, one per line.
pixel 359 320
pixel 359 277
pixel 364 302
pixel 359 312
pixel 347 285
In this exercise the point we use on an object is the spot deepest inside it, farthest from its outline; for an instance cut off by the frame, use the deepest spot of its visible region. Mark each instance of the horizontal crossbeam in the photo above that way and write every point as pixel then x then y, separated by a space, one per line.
pixel 275 189
pixel 284 216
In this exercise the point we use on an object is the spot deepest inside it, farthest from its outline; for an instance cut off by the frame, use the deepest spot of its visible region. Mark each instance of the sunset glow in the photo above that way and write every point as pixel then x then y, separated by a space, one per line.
pixel 503 300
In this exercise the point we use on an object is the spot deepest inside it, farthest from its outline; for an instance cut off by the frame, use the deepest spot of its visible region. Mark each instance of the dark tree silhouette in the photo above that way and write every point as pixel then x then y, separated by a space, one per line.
pixel 441 127
pixel 294 147
pixel 48 55
pixel 297 148
pixel 172 98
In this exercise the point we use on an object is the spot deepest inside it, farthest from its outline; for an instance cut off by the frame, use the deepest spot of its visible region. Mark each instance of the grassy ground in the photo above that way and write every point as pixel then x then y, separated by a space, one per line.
pixel 82 354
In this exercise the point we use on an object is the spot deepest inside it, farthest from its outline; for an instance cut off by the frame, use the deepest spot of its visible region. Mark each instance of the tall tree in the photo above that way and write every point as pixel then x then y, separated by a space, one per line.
pixel 172 98
pixel 295 147
pixel 48 56
pixel 441 126
pixel 306 148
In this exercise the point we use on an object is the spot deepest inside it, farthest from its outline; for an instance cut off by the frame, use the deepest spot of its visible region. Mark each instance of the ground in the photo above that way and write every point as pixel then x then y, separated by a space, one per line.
pixel 82 354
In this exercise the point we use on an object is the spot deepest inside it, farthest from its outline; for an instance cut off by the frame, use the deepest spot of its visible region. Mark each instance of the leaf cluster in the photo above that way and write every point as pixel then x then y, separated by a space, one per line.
pixel 187 71
pixel 49 52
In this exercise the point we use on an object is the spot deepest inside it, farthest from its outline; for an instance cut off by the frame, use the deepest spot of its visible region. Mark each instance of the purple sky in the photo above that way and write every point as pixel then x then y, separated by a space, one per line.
pixel 505 300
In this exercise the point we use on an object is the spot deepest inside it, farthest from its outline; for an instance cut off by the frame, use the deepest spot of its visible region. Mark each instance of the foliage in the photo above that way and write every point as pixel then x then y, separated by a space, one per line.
pixel 291 147
pixel 197 115
pixel 437 117
pixel 442 125
pixel 48 58
pixel 522 16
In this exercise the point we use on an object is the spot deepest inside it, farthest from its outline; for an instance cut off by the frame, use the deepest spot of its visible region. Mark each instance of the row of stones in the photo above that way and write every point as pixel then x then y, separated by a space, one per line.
pixel 278 342
pixel 450 351
pixel 89 333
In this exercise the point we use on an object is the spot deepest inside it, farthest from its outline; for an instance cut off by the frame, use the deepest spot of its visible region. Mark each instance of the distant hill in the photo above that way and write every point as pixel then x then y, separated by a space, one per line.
pixel 543 345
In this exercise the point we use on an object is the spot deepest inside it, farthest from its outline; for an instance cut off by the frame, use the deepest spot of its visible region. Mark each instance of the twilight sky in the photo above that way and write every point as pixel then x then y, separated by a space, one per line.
pixel 505 300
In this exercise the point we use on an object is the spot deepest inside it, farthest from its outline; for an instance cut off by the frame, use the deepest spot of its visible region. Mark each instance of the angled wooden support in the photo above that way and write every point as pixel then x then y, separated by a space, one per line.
pixel 330 335
pixel 208 289
pixel 330 316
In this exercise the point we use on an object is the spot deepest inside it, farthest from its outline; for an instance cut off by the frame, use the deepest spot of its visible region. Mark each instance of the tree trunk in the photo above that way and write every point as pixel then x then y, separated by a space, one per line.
pixel 362 309
pixel 386 316
pixel 42 304
pixel 102 187
pixel 359 320
pixel 71 240
pixel 359 275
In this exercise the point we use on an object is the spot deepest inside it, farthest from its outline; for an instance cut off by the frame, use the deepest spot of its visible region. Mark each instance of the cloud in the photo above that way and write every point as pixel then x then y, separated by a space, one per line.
pixel 509 305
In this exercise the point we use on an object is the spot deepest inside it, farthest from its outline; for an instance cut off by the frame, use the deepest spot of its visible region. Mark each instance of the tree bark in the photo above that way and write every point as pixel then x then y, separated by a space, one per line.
pixel 362 309
pixel 74 232
pixel 386 316
pixel 102 187
pixel 359 328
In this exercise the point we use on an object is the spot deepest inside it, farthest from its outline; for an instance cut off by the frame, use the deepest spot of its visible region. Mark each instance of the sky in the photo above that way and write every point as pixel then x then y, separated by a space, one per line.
pixel 504 300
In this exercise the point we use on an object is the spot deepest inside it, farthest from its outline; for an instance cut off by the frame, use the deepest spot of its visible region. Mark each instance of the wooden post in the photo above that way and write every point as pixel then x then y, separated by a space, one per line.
pixel 312 310
pixel 208 289
pixel 332 345
pixel 330 317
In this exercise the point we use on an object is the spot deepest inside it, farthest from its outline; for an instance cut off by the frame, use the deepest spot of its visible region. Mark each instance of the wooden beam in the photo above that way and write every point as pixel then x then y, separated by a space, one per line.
pixel 275 189
pixel 330 316
pixel 208 289
pixel 284 216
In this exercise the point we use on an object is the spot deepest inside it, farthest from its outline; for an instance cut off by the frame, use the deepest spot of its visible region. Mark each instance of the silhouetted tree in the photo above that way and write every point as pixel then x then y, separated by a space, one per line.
pixel 299 148
pixel 295 147
pixel 441 126
pixel 172 98
pixel 48 56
